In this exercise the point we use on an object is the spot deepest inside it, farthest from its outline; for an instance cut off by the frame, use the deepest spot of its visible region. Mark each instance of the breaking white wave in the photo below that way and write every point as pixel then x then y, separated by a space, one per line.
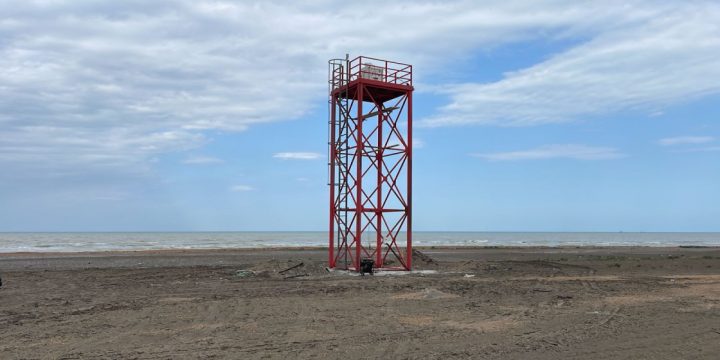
pixel 84 242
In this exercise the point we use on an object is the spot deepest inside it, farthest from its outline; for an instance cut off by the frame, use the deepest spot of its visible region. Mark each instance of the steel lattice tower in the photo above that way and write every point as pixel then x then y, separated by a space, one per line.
pixel 370 153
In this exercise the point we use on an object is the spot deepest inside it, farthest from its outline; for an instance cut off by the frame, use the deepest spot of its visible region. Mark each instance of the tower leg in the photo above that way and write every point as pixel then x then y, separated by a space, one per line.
pixel 408 210
pixel 333 208
pixel 359 147
pixel 378 202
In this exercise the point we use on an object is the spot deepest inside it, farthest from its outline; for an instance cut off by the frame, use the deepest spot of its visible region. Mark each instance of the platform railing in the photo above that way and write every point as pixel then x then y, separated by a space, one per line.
pixel 373 69
pixel 380 70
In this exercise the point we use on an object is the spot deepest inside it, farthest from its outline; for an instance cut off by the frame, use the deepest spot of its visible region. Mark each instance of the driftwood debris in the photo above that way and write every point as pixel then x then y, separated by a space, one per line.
pixel 292 267
pixel 295 276
pixel 423 257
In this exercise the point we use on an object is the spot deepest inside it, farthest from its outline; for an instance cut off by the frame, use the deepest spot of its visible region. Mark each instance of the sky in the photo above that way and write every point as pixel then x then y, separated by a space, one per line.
pixel 212 115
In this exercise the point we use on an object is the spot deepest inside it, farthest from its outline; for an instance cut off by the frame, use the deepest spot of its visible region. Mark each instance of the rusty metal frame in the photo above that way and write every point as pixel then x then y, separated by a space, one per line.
pixel 370 162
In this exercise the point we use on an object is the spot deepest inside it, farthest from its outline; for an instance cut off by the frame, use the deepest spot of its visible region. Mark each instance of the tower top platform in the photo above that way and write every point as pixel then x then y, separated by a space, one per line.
pixel 388 79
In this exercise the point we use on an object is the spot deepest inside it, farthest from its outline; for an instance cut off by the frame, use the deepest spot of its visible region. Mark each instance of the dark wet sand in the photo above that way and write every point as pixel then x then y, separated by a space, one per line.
pixel 494 303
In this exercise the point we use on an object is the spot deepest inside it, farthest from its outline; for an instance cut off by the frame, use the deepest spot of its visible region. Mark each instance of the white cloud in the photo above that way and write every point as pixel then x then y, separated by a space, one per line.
pixel 298 156
pixel 202 160
pixel 418 143
pixel 697 149
pixel 113 85
pixel 682 140
pixel 569 151
pixel 51 150
pixel 666 55
pixel 241 188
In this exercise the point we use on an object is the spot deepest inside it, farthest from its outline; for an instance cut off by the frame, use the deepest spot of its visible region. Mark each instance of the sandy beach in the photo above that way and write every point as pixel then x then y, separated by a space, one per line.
pixel 488 303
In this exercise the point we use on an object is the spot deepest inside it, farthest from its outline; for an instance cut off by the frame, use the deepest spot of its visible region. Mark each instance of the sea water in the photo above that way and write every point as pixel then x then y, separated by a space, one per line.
pixel 86 241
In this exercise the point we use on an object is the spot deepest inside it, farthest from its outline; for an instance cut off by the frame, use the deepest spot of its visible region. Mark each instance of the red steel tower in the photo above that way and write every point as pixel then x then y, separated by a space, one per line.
pixel 370 150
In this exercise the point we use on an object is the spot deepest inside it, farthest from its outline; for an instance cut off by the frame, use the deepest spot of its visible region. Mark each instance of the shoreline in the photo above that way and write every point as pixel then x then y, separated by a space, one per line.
pixel 111 242
pixel 240 257
pixel 191 251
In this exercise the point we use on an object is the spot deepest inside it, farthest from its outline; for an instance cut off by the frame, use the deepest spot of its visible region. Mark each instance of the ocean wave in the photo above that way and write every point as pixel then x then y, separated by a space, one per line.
pixel 84 242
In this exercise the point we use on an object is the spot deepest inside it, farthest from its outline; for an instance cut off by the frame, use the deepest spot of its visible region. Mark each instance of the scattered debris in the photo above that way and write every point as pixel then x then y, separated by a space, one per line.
pixel 244 273
pixel 469 275
pixel 295 276
pixel 292 267
pixel 418 255
pixel 295 273
pixel 550 342
pixel 564 297
pixel 541 290
pixel 82 310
